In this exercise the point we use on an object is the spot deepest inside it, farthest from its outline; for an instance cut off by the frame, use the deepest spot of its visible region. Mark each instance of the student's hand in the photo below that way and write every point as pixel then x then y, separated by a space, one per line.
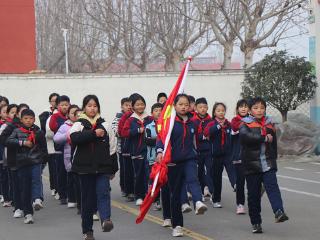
pixel 269 138
pixel 159 157
pixel 28 144
pixel 111 176
pixel 99 132
pixel 141 130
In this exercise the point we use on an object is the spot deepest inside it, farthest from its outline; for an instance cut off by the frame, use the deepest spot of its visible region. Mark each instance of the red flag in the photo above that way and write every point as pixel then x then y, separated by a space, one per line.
pixel 164 127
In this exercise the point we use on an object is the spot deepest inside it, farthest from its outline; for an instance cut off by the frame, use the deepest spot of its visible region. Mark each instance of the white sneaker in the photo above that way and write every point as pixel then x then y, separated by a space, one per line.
pixel 240 209
pixel 157 206
pixel 53 192
pixel 139 202
pixel 18 213
pixel 177 232
pixel 1 199
pixel 185 208
pixel 37 204
pixel 7 204
pixel 28 219
pixel 56 196
pixel 217 205
pixel 201 208
pixel 95 217
pixel 167 223
pixel 189 196
pixel 72 205
pixel 206 192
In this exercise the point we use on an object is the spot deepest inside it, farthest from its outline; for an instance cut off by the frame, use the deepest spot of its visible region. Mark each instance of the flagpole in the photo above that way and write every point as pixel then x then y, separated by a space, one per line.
pixel 172 117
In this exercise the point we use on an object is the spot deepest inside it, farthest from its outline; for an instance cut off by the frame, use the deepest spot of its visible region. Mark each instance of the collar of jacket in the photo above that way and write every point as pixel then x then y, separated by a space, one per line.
pixel 205 118
pixel 251 119
pixel 92 121
pixel 141 117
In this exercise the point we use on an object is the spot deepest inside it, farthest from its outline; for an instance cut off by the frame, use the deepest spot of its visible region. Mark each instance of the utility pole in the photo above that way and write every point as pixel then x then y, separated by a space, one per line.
pixel 65 32
pixel 314 55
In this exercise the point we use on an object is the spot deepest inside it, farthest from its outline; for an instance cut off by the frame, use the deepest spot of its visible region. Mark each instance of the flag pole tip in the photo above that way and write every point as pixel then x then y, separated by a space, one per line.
pixel 189 58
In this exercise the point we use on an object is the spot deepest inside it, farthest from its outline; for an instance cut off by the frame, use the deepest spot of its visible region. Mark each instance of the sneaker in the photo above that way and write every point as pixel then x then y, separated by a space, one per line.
pixel 206 192
pixel 7 204
pixel 28 219
pixel 280 216
pixel 139 202
pixel 240 209
pixel 57 196
pixel 217 205
pixel 95 217
pixel 256 228
pixel 123 194
pixel 185 208
pixel 107 226
pixel 177 232
pixel 18 213
pixel 201 208
pixel 1 199
pixel 88 236
pixel 63 201
pixel 53 192
pixel 167 223
pixel 72 205
pixel 37 204
pixel 130 198
pixel 157 206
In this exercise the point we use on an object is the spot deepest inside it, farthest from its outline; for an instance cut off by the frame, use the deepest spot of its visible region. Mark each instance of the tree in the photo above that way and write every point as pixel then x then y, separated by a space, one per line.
pixel 284 81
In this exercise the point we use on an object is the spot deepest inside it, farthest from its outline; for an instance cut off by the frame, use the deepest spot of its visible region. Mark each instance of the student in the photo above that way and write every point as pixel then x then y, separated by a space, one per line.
pixel 53 98
pixel 259 159
pixel 3 101
pixel 55 122
pixel 3 117
pixel 183 166
pixel 219 133
pixel 162 98
pixel 6 129
pixel 150 139
pixel 31 149
pixel 125 107
pixel 192 106
pixel 204 147
pixel 242 110
pixel 95 161
pixel 134 128
pixel 62 138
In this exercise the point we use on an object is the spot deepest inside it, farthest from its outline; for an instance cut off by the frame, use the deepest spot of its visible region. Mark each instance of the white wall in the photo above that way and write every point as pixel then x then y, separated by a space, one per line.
pixel 35 89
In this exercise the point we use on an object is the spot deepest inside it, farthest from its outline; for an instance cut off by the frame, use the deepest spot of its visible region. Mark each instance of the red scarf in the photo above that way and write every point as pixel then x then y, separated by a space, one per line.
pixel 185 128
pixel 1 122
pixel 223 125
pixel 236 122
pixel 262 123
pixel 31 137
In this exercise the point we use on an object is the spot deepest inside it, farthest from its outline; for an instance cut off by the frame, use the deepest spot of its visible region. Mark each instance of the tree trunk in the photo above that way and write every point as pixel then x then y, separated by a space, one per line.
pixel 248 57
pixel 172 62
pixel 284 115
pixel 227 56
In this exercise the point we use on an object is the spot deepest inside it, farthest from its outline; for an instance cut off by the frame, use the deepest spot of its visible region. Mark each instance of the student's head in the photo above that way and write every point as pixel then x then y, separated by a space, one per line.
pixel 21 107
pixel 182 104
pixel 219 110
pixel 162 98
pixel 192 102
pixel 91 105
pixel 4 101
pixel 156 110
pixel 3 112
pixel 138 104
pixel 257 107
pixel 202 106
pixel 53 100
pixel 126 104
pixel 73 112
pixel 63 103
pixel 242 108
pixel 27 117
pixel 12 110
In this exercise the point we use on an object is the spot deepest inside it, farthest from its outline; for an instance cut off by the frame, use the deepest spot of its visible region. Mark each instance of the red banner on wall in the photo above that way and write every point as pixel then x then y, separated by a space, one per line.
pixel 17 36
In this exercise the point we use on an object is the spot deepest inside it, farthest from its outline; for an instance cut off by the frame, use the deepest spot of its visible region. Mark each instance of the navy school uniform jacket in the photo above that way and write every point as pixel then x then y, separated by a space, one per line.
pixel 125 141
pixel 220 137
pixel 200 123
pixel 182 141
pixel 138 147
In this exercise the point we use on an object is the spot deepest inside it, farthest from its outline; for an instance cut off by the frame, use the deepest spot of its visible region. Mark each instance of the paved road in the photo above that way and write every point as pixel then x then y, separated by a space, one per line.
pixel 300 184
